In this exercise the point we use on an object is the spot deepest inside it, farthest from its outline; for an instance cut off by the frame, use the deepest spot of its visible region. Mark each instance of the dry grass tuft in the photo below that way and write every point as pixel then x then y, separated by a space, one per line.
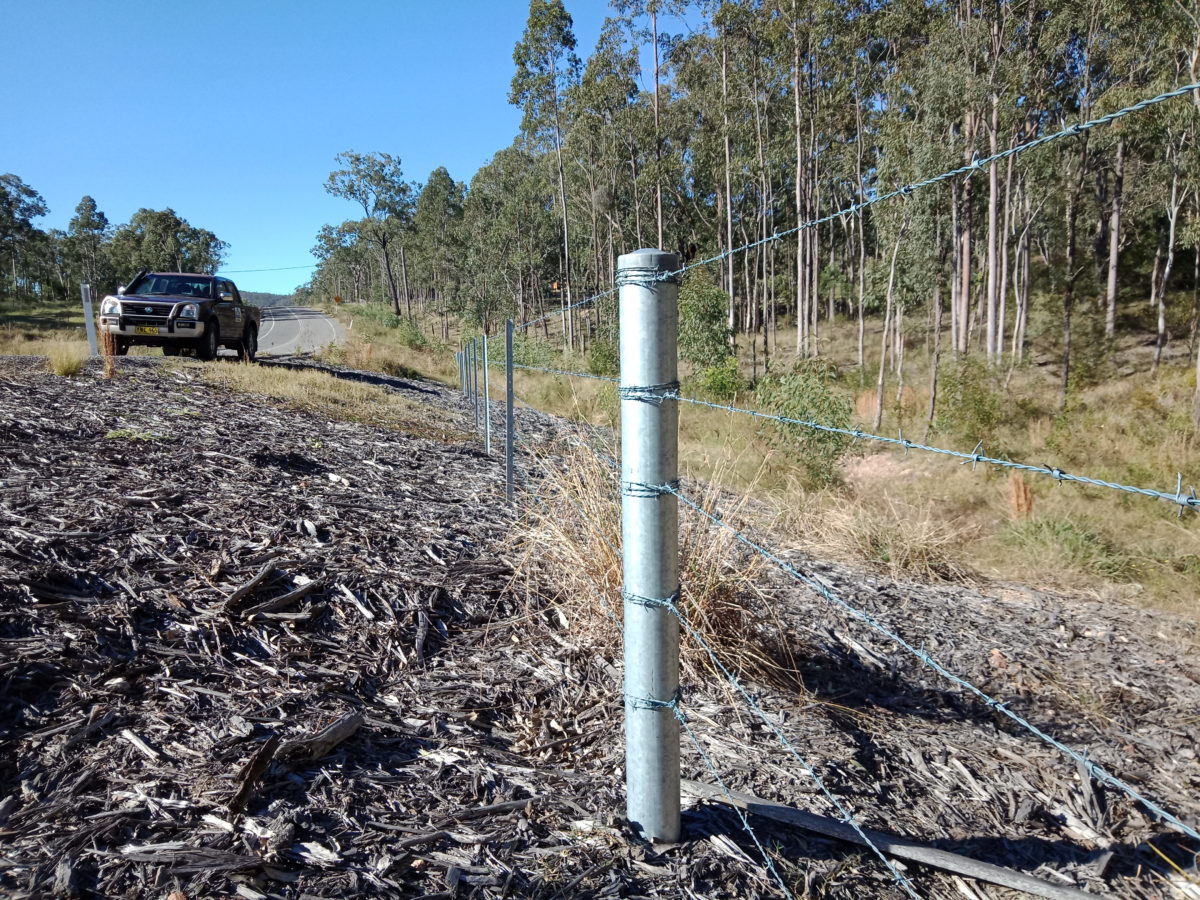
pixel 336 398
pixel 66 358
pixel 569 551
pixel 906 540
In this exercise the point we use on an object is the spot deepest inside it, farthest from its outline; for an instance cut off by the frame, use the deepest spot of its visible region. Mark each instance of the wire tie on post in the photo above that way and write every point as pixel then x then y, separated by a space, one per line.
pixel 641 489
pixel 650 393
pixel 650 703
pixel 668 603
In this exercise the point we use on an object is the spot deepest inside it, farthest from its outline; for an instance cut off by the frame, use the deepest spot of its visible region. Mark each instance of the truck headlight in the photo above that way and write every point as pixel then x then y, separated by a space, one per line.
pixel 189 310
pixel 110 306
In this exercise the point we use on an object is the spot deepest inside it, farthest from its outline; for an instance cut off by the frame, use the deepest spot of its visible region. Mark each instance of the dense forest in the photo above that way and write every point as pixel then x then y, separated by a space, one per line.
pixel 37 265
pixel 704 126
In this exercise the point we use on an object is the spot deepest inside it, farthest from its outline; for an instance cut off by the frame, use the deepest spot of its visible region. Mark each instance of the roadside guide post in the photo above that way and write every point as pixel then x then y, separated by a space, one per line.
pixel 89 319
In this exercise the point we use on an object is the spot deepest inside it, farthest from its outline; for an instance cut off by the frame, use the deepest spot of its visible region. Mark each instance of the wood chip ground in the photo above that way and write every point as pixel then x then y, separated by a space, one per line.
pixel 249 652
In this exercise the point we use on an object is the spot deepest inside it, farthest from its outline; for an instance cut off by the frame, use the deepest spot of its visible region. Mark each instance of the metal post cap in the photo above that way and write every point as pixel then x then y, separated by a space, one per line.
pixel 649 258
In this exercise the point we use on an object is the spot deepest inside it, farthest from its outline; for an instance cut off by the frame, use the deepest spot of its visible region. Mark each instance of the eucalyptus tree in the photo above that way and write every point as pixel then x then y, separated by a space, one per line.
pixel 19 206
pixel 546 68
pixel 161 239
pixel 375 181
pixel 86 236
pixel 437 221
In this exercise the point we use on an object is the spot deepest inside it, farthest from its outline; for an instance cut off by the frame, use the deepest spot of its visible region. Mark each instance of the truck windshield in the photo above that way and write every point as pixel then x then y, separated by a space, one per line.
pixel 172 286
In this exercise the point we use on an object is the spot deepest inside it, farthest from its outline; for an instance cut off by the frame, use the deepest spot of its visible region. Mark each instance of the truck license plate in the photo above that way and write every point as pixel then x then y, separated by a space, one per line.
pixel 145 329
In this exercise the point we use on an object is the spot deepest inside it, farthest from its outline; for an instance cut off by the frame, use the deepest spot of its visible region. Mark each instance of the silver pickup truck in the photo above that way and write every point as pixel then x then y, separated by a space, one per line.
pixel 181 312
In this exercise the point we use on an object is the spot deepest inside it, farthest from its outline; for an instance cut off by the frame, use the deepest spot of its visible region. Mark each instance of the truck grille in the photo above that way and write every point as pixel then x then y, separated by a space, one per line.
pixel 131 309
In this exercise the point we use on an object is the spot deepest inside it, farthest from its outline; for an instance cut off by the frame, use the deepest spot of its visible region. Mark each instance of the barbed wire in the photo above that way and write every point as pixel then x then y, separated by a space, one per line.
pixel 562 372
pixel 1184 501
pixel 278 269
pixel 976 457
pixel 1092 768
pixel 565 309
pixel 974 166
pixel 746 826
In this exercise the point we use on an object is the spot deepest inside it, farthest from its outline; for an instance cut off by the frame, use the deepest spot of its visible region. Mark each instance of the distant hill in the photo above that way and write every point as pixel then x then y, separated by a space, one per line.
pixel 264 300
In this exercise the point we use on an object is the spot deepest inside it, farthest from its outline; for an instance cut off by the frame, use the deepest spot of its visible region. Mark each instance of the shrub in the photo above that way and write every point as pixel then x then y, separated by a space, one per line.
pixel 722 381
pixel 604 357
pixel 969 407
pixel 703 326
pixel 806 392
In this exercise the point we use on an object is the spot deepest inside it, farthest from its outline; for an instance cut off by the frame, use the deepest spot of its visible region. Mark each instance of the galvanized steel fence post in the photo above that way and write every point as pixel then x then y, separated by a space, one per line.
pixel 649 325
pixel 510 431
pixel 487 399
pixel 475 378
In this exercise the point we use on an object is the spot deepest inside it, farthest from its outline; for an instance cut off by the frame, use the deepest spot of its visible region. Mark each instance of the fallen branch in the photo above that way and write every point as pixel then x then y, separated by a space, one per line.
pixel 887 843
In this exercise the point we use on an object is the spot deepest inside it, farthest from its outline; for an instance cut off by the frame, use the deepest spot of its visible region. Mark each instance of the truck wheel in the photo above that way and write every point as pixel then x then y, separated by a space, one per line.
pixel 120 347
pixel 170 349
pixel 247 347
pixel 206 345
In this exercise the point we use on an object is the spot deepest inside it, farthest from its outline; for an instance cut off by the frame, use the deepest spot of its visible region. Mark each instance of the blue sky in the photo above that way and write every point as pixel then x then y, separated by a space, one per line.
pixel 231 112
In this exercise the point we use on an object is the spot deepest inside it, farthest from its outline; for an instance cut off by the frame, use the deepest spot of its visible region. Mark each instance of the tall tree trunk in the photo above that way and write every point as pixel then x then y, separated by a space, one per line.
pixel 936 362
pixel 887 323
pixel 964 290
pixel 1114 243
pixel 862 238
pixel 1005 244
pixel 657 133
pixel 1172 220
pixel 801 282
pixel 956 265
pixel 731 275
pixel 992 345
pixel 1068 296
pixel 568 314
pixel 404 279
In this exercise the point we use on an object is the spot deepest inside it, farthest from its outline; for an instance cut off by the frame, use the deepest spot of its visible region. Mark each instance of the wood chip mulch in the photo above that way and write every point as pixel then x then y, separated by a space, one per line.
pixel 250 652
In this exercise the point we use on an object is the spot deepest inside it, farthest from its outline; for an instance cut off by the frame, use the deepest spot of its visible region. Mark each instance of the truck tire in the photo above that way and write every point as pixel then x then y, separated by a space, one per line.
pixel 121 347
pixel 206 344
pixel 247 348
pixel 170 349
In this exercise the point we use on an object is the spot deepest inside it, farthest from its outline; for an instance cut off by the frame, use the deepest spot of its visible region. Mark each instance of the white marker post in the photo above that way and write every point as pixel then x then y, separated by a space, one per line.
pixel 89 319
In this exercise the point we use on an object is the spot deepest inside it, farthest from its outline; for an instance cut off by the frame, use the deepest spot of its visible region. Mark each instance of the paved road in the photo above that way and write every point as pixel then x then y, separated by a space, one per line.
pixel 296 329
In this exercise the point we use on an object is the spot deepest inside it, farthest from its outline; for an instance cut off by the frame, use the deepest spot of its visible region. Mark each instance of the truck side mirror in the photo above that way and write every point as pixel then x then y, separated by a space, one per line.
pixel 121 290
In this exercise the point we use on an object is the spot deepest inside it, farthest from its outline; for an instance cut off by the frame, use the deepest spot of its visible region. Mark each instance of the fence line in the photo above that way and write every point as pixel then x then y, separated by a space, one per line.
pixel 631 274
pixel 1183 500
pixel 1092 768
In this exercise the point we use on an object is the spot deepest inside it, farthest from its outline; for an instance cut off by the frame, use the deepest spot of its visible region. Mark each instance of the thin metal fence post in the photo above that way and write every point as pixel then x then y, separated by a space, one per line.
pixel 474 380
pixel 487 398
pixel 649 325
pixel 462 373
pixel 510 431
